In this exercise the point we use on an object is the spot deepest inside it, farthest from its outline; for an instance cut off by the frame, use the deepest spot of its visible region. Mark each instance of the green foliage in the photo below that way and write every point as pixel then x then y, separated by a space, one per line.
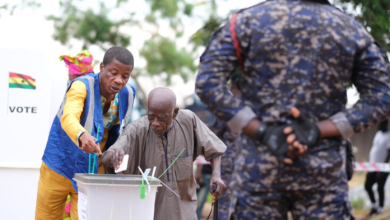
pixel 119 2
pixel 203 35
pixel 188 9
pixel 168 8
pixel 375 16
pixel 104 27
pixel 163 56
pixel 20 5
pixel 92 28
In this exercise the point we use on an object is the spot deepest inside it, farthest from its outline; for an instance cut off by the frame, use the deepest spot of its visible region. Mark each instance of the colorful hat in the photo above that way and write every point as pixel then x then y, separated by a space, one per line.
pixel 80 64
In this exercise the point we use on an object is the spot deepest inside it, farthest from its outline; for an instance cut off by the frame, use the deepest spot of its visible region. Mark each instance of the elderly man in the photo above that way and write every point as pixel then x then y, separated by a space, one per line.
pixel 157 139
pixel 95 107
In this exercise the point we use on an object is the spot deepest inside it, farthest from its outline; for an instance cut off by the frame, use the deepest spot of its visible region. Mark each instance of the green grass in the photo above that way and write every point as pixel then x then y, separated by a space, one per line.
pixel 358 204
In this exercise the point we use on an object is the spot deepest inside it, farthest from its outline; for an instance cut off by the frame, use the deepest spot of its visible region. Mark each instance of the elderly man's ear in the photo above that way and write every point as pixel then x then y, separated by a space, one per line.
pixel 175 112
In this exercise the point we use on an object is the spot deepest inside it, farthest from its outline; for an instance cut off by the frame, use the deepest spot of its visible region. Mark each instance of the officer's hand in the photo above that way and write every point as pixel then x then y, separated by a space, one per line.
pixel 216 180
pixel 301 134
pixel 295 148
pixel 306 130
pixel 88 144
pixel 275 139
pixel 113 158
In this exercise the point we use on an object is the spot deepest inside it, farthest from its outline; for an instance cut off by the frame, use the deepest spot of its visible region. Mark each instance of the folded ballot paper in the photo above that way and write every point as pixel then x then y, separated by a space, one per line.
pixel 123 165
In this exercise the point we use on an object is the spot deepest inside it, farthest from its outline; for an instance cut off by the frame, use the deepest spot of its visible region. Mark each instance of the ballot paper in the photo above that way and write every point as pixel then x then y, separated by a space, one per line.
pixel 123 165
pixel 82 206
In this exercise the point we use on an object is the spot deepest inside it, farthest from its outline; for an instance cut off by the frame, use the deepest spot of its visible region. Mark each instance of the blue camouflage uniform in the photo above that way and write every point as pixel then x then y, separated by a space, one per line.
pixel 227 165
pixel 295 54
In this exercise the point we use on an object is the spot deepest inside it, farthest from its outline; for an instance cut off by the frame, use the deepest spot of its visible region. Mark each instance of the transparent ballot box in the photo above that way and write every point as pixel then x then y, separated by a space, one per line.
pixel 117 197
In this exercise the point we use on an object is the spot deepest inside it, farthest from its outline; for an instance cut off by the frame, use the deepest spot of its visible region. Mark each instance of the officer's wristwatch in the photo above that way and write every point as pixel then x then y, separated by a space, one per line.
pixel 260 131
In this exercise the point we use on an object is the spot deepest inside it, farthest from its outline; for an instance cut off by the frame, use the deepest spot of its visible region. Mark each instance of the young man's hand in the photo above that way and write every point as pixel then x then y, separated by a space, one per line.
pixel 88 144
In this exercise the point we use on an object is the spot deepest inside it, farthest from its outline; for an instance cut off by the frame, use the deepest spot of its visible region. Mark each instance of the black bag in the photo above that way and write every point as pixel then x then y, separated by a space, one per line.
pixel 350 159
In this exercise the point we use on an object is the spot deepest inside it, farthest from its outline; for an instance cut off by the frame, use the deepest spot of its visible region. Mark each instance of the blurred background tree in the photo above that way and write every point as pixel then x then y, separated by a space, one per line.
pixel 11 7
pixel 105 24
pixel 169 47
pixel 374 15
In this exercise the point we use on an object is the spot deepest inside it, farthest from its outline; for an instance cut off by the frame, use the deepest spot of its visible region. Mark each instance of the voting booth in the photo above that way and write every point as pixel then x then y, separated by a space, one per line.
pixel 32 86
pixel 104 196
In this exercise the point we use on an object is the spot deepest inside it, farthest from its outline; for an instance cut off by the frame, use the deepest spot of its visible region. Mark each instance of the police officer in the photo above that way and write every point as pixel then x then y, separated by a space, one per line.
pixel 298 58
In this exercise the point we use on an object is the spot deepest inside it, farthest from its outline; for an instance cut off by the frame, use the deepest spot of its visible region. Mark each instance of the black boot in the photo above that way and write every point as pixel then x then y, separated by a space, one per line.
pixel 372 212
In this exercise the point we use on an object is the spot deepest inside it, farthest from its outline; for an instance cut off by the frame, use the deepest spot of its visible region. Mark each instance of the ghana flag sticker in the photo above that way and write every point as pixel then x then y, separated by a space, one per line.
pixel 21 81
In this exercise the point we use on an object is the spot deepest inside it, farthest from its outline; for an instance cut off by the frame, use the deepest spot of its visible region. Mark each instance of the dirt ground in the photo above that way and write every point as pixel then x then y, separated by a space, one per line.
pixel 357 180
pixel 385 215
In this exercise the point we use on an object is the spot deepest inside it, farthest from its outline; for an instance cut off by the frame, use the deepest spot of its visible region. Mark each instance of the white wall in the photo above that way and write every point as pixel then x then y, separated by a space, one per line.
pixel 18 187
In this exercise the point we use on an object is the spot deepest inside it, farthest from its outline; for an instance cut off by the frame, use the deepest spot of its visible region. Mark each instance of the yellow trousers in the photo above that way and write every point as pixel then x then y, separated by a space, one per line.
pixel 53 190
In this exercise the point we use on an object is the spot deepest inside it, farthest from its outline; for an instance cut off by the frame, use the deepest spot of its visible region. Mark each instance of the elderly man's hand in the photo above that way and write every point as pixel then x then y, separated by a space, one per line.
pixel 88 144
pixel 216 179
pixel 113 158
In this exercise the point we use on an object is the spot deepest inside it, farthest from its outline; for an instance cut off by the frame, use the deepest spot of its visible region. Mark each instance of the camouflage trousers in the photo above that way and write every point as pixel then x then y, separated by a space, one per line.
pixel 314 187
pixel 227 165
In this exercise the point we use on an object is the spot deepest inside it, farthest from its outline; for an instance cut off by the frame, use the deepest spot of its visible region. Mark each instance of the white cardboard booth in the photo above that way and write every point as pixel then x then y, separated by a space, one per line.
pixel 26 115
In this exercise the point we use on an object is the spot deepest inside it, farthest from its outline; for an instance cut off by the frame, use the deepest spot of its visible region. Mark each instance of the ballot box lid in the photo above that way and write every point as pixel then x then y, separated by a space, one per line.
pixel 114 179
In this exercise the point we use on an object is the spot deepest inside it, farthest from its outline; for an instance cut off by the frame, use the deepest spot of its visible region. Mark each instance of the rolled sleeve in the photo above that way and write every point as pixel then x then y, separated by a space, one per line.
pixel 343 125
pixel 241 119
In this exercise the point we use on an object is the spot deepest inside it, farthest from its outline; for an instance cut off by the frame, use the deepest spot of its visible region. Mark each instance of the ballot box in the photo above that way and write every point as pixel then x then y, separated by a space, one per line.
pixel 116 197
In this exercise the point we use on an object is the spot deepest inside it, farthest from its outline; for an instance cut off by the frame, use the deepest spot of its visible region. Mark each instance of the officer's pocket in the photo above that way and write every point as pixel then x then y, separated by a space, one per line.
pixel 185 179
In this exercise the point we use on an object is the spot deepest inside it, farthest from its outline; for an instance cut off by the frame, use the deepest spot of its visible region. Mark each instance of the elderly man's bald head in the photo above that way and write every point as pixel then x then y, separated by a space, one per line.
pixel 163 97
pixel 161 110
